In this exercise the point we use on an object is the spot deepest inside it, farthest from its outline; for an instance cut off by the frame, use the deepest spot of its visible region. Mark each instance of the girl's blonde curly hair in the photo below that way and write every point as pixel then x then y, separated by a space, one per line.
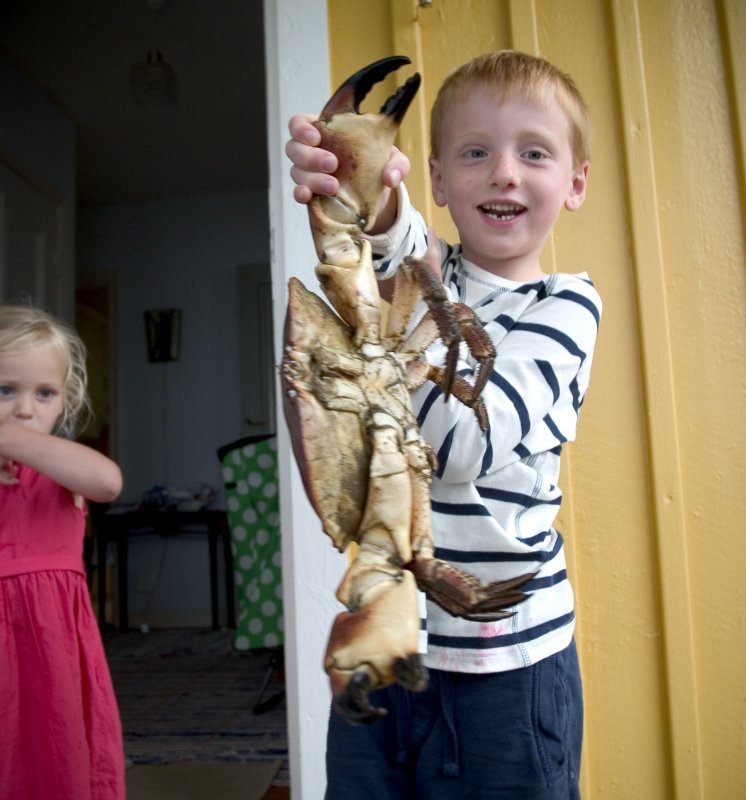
pixel 24 328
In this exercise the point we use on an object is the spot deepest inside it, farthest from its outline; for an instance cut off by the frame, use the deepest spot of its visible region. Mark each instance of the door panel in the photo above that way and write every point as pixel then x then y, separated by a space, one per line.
pixel 32 266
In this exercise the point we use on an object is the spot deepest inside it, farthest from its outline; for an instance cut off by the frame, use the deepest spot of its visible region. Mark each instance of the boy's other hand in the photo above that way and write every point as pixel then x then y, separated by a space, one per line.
pixel 432 254
pixel 313 168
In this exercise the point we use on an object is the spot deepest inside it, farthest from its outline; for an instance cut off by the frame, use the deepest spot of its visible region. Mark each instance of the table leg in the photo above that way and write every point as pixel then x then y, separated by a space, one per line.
pixel 230 589
pixel 213 537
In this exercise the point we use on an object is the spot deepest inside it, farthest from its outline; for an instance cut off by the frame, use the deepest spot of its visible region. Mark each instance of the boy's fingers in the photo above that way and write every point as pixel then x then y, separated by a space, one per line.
pixel 396 169
pixel 432 254
pixel 302 130
pixel 302 194
pixel 314 182
pixel 310 159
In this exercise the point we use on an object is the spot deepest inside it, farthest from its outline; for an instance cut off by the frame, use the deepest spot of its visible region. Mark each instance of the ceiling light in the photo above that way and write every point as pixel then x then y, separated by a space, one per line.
pixel 153 84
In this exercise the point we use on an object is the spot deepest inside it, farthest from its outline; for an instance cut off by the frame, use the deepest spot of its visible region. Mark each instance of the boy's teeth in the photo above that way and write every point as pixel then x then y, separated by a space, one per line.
pixel 502 211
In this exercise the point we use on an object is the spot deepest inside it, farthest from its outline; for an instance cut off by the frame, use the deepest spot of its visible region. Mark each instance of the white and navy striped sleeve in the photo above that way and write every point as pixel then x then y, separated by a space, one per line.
pixel 407 237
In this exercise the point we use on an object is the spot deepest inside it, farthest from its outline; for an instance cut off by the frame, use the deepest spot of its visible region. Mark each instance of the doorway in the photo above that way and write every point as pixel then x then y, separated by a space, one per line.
pixel 95 309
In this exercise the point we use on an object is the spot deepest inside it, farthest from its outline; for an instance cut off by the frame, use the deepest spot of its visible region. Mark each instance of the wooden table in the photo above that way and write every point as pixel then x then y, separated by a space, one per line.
pixel 118 527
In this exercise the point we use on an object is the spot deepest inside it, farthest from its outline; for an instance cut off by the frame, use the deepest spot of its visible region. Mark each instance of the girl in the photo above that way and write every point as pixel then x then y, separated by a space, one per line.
pixel 60 737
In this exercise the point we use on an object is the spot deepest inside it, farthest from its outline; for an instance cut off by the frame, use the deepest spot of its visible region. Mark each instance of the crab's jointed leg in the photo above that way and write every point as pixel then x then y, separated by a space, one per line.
pixel 451 322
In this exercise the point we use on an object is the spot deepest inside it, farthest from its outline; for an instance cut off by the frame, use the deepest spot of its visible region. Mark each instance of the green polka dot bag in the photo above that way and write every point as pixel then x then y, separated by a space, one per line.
pixel 250 478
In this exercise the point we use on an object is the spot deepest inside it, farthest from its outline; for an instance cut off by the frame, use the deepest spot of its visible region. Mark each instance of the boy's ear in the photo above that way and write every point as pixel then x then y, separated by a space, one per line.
pixel 576 196
pixel 436 180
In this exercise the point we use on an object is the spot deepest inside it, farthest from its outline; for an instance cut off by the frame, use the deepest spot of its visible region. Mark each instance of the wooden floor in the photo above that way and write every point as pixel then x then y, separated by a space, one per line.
pixel 186 695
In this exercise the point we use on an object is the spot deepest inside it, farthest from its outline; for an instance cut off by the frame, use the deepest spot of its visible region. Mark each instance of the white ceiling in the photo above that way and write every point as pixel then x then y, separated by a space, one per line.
pixel 80 52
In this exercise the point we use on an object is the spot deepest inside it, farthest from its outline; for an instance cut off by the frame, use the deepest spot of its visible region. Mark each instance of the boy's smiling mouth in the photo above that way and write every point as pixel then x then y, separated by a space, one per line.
pixel 502 211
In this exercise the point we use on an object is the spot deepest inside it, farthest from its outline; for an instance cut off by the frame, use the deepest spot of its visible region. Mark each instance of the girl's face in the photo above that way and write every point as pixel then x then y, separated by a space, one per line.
pixel 32 387
pixel 505 171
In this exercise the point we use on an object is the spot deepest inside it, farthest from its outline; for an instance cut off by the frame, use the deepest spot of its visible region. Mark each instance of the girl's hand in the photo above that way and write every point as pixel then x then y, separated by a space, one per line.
pixel 313 168
pixel 8 473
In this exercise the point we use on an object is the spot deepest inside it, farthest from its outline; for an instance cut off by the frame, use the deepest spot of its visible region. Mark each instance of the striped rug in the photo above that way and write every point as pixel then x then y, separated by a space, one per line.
pixel 185 695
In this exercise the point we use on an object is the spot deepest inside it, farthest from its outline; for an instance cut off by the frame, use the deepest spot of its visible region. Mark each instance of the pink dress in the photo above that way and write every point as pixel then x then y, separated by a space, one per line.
pixel 60 733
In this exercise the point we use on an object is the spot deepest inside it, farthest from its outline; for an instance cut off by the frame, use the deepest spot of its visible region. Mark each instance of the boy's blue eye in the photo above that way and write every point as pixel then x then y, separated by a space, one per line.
pixel 534 155
pixel 5 391
pixel 475 152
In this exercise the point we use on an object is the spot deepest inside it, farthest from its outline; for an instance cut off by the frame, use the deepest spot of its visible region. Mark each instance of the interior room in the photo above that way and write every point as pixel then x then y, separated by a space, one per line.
pixel 133 170
pixel 169 211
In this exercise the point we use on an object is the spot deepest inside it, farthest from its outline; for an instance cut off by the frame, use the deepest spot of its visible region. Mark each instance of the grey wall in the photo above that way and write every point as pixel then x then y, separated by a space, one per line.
pixel 174 415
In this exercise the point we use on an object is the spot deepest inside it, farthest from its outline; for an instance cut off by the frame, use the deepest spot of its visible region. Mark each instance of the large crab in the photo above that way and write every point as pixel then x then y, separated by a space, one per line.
pixel 346 385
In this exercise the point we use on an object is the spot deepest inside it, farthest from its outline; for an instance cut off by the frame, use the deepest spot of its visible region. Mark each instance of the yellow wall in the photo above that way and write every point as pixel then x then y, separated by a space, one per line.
pixel 654 510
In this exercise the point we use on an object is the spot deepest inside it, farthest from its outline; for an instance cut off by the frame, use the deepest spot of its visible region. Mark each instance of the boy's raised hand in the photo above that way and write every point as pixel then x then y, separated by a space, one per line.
pixel 432 254
pixel 313 168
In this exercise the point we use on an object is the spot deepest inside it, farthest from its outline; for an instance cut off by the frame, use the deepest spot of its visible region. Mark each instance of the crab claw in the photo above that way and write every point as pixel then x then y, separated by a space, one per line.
pixel 354 705
pixel 355 89
pixel 362 144
pixel 375 644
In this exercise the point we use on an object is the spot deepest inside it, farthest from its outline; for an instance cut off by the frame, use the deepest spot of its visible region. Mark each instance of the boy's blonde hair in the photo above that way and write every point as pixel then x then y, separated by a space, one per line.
pixel 509 71
pixel 24 328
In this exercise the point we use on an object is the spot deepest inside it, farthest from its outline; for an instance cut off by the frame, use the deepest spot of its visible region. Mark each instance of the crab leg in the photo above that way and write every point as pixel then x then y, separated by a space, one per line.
pixel 451 588
pixel 451 322
pixel 375 642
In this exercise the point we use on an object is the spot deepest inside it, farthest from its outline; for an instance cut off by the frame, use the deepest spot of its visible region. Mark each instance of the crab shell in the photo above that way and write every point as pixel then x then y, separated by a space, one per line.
pixel 330 447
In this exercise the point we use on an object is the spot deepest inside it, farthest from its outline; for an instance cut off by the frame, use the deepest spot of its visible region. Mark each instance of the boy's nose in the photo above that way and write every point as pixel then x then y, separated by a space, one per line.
pixel 504 172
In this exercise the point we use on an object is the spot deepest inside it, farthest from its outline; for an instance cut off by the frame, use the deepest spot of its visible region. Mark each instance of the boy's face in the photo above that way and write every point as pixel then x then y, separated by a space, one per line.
pixel 505 171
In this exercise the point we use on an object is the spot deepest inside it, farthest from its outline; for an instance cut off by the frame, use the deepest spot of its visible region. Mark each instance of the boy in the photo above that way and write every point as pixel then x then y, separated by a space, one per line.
pixel 502 716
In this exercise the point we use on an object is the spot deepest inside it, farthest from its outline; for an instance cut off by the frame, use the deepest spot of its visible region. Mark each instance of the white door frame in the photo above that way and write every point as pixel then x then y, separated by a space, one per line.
pixel 297 65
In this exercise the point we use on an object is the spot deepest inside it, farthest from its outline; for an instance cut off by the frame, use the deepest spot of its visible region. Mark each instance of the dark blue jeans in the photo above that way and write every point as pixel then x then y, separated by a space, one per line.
pixel 503 736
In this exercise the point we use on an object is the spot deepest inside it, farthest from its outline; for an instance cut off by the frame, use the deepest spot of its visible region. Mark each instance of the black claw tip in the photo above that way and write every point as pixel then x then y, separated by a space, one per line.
pixel 411 674
pixel 353 705
pixel 396 106
pixel 355 89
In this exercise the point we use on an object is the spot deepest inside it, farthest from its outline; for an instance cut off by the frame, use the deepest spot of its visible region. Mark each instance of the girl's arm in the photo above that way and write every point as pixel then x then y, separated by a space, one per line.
pixel 78 468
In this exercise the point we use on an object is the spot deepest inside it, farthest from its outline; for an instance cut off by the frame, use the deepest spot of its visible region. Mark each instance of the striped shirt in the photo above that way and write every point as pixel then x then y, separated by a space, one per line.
pixel 495 495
